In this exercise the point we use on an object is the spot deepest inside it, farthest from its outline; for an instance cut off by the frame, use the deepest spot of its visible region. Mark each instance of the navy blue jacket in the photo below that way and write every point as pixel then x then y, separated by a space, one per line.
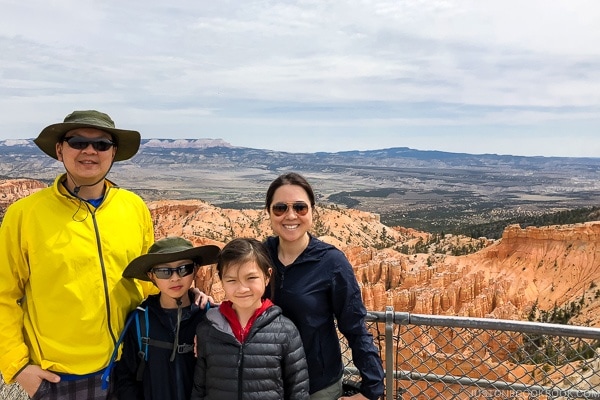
pixel 163 379
pixel 317 287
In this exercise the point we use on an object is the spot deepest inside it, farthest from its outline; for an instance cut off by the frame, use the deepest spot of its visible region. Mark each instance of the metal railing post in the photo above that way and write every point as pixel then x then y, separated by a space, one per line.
pixel 389 353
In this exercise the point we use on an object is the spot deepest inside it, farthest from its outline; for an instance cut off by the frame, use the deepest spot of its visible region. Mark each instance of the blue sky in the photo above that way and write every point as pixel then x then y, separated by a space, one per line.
pixel 473 76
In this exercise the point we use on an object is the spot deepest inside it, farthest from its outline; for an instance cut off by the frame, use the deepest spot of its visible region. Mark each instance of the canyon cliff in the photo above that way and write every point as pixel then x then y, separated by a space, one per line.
pixel 13 189
pixel 543 267
pixel 526 270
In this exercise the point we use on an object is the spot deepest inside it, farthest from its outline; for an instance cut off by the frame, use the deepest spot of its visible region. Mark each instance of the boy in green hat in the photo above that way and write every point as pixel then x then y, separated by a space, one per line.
pixel 158 359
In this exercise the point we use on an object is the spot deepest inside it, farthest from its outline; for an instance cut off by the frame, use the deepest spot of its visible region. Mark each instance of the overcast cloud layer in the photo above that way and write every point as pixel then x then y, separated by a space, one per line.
pixel 473 76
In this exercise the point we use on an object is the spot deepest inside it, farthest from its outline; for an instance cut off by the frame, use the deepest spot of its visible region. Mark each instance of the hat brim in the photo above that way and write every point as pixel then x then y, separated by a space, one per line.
pixel 128 142
pixel 139 267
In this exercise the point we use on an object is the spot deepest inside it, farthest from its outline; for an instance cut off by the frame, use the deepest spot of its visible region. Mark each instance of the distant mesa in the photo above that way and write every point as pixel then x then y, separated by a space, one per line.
pixel 16 142
pixel 202 143
pixel 184 143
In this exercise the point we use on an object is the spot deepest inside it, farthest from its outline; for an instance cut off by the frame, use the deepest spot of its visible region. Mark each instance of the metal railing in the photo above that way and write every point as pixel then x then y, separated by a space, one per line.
pixel 448 357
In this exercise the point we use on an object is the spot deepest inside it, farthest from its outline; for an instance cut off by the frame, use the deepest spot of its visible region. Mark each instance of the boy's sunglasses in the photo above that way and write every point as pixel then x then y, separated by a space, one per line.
pixel 299 207
pixel 80 143
pixel 165 273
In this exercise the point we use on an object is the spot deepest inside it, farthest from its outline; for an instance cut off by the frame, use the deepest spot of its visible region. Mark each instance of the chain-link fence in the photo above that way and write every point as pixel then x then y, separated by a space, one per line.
pixel 446 357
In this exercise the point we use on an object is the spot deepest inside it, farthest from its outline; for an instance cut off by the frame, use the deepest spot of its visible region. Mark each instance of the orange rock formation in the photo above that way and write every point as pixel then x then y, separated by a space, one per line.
pixel 548 266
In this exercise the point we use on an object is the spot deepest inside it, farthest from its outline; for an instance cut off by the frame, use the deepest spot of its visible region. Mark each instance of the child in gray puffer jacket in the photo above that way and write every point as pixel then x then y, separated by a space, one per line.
pixel 246 348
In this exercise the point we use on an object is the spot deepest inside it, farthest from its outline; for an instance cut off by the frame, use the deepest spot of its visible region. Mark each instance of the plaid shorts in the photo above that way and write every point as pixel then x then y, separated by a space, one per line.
pixel 86 388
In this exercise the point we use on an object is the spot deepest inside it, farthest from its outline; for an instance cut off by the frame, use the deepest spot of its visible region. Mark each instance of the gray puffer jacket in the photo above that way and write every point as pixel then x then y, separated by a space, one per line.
pixel 270 364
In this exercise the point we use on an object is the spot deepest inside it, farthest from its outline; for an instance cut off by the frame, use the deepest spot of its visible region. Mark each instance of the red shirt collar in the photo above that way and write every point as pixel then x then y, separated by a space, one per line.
pixel 231 317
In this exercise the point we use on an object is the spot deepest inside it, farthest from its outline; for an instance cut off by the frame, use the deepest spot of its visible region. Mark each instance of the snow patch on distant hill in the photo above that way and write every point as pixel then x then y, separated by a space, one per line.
pixel 185 143
pixel 156 143
pixel 16 142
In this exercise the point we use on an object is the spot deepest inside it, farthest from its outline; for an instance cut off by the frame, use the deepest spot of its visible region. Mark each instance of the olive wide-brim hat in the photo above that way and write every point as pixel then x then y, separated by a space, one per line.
pixel 127 141
pixel 167 250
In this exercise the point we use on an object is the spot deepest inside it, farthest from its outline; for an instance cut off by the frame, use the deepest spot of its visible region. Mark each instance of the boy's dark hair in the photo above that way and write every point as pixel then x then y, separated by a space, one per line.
pixel 241 250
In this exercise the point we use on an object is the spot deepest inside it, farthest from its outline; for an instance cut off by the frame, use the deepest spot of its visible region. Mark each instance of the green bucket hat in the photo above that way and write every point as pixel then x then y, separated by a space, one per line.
pixel 167 250
pixel 128 142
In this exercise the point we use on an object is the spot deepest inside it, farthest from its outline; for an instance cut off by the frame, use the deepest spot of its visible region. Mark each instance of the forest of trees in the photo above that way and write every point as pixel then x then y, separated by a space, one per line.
pixel 493 230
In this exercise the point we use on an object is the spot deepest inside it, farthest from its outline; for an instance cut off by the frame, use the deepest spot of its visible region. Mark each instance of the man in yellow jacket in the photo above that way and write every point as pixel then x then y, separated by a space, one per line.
pixel 63 301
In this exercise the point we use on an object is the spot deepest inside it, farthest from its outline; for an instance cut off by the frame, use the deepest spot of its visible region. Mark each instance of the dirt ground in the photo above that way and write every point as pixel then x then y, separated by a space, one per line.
pixel 11 392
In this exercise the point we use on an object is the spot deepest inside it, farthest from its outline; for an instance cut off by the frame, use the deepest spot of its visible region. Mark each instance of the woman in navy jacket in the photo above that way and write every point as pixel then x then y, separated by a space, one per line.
pixel 315 287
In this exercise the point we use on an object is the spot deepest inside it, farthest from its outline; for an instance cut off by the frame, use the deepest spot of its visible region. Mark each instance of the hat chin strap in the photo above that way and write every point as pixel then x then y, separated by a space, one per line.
pixel 77 188
pixel 176 341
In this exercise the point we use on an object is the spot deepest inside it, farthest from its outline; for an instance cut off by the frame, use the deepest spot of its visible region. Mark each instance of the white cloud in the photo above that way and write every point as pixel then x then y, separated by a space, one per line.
pixel 255 68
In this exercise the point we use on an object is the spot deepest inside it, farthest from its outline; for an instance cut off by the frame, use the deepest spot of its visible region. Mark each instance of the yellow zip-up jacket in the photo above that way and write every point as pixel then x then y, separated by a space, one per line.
pixel 63 301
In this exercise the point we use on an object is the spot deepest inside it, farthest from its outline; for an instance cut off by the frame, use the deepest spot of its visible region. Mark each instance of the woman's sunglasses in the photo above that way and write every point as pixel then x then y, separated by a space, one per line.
pixel 80 143
pixel 165 273
pixel 299 207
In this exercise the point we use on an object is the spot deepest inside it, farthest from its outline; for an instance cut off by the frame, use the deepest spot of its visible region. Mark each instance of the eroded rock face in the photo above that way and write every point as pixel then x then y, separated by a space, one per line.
pixel 13 189
pixel 552 266
pixel 546 266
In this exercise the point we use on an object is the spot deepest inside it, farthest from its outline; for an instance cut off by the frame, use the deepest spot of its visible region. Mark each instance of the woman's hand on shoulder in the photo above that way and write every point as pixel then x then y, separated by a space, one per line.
pixel 201 299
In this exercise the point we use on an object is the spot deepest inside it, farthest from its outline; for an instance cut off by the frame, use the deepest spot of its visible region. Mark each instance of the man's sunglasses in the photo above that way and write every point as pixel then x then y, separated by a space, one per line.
pixel 299 207
pixel 165 273
pixel 80 143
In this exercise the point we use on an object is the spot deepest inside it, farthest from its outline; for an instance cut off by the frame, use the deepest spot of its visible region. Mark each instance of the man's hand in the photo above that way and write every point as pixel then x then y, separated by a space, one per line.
pixel 31 377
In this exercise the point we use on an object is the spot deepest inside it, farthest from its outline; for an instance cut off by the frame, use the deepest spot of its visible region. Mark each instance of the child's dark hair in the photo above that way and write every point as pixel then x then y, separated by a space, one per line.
pixel 241 250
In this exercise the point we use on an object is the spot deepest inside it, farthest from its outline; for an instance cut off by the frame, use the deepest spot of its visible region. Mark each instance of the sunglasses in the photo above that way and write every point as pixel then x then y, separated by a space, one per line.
pixel 80 143
pixel 299 207
pixel 182 270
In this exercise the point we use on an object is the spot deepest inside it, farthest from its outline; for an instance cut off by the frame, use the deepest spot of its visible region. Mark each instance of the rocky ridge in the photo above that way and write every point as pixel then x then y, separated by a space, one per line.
pixel 13 189
pixel 428 190
pixel 526 271
pixel 544 267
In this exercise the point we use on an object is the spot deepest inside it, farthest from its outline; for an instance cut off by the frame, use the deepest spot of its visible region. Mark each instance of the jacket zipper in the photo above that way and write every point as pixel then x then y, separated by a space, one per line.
pixel 104 278
pixel 240 367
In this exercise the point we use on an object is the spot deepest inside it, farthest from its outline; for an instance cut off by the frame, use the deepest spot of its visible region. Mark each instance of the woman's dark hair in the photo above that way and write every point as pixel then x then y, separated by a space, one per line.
pixel 242 250
pixel 290 178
